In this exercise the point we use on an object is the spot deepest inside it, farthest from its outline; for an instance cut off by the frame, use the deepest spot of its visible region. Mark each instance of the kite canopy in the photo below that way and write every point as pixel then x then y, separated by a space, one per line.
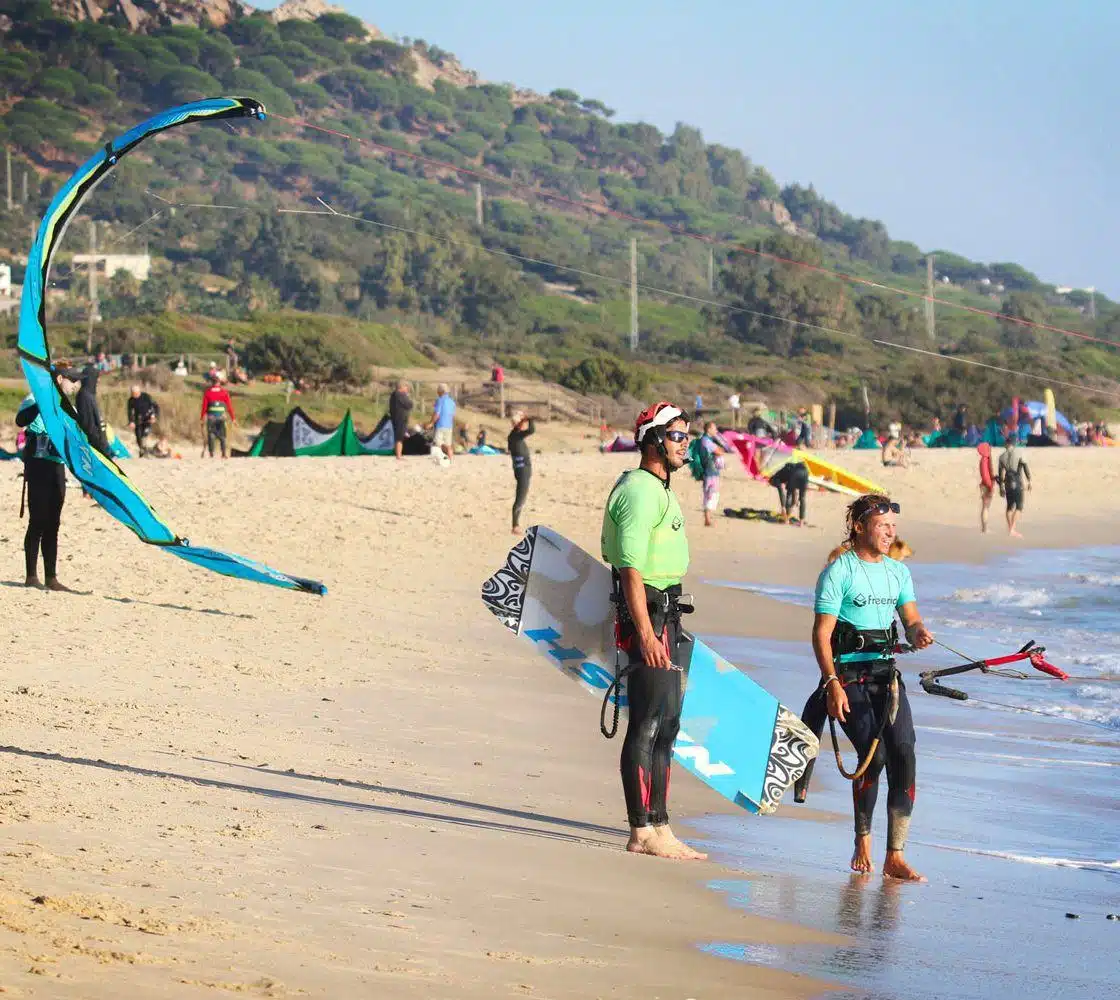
pixel 99 474
pixel 298 435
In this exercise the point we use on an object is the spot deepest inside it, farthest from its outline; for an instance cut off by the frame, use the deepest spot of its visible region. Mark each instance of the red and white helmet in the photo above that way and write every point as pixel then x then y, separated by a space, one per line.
pixel 659 415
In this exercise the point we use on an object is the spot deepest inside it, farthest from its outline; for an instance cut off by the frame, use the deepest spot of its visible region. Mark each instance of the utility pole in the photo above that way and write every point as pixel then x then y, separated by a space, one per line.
pixel 478 202
pixel 23 198
pixel 633 295
pixel 711 270
pixel 930 329
pixel 92 285
pixel 8 164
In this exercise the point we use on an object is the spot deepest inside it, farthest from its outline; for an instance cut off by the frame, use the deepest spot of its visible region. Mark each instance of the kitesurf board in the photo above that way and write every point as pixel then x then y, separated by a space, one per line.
pixel 734 735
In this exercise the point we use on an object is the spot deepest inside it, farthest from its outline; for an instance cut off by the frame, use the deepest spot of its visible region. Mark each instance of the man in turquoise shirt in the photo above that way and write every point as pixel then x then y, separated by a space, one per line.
pixel 854 640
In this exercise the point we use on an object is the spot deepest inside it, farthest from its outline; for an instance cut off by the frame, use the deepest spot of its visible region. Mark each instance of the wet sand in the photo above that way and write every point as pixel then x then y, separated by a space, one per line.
pixel 218 787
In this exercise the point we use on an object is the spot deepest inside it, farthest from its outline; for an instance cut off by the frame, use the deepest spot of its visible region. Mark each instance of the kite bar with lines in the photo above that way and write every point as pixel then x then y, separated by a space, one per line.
pixel 1031 652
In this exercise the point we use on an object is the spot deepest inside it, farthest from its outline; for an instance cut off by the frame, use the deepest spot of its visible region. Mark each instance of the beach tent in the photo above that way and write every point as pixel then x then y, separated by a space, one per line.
pixel 298 435
pixel 1034 409
pixel 867 440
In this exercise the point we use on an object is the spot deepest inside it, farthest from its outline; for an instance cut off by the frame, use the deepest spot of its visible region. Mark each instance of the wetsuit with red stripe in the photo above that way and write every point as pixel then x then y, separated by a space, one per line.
pixel 643 529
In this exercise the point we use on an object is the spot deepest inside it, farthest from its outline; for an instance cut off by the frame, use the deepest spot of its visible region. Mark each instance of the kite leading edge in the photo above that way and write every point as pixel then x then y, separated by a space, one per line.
pixel 99 474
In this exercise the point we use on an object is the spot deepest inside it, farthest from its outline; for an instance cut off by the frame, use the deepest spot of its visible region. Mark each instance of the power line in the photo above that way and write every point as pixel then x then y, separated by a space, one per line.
pixel 329 211
pixel 688 234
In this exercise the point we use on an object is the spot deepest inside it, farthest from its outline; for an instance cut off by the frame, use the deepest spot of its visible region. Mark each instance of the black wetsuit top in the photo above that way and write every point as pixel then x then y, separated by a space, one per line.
pixel 522 467
pixel 519 448
pixel 793 476
pixel 142 409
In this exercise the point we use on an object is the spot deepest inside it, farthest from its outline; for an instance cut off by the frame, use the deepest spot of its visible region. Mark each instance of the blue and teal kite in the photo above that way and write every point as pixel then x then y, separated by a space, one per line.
pixel 100 476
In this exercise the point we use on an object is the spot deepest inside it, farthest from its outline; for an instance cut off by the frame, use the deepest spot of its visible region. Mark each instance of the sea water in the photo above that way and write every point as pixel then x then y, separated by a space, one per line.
pixel 1017 819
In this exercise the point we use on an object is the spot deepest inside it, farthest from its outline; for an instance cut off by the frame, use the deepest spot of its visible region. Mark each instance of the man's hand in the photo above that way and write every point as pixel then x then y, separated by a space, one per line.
pixel 837 700
pixel 919 636
pixel 653 651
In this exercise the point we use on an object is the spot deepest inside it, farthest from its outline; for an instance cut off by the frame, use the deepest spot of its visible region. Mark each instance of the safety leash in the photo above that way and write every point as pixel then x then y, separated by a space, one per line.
pixel 888 710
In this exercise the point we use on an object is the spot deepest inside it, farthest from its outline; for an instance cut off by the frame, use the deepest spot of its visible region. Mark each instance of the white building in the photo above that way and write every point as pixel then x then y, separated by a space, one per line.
pixel 139 265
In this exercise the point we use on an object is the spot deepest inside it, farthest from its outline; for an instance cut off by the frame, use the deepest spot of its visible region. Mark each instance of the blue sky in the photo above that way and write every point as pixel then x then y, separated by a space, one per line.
pixel 982 128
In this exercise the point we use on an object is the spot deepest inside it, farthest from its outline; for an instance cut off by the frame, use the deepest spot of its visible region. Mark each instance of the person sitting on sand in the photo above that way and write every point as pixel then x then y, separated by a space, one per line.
pixel 894 455
pixel 643 540
pixel 853 640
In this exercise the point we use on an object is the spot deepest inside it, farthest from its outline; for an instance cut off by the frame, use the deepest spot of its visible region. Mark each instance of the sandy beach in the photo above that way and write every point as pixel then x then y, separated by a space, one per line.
pixel 214 787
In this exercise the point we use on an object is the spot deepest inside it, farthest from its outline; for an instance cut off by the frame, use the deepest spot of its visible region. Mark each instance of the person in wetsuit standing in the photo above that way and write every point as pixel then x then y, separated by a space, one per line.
pixel 643 539
pixel 519 455
pixel 792 483
pixel 44 477
pixel 853 639
pixel 143 411
pixel 400 406
pixel 216 404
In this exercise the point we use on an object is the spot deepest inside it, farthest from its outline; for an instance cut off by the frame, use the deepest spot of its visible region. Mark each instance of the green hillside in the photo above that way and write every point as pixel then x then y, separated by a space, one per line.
pixel 542 281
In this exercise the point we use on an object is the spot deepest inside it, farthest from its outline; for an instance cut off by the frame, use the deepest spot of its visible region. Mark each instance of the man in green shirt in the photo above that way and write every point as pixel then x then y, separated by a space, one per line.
pixel 644 541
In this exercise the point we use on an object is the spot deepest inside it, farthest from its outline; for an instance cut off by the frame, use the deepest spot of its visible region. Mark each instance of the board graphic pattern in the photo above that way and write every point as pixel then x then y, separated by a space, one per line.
pixel 553 594
pixel 504 592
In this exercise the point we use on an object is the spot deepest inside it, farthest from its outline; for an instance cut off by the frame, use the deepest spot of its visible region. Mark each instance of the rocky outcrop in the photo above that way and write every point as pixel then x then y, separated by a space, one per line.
pixel 144 15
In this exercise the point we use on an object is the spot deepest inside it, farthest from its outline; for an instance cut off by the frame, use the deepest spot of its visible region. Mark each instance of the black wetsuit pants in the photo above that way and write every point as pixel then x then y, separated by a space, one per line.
pixel 46 493
pixel 655 697
pixel 521 477
pixel 216 431
pixel 867 700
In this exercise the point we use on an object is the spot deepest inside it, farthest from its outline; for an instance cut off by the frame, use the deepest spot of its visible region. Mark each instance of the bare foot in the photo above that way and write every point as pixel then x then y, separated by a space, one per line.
pixel 60 588
pixel 32 581
pixel 895 866
pixel 644 840
pixel 517 531
pixel 678 847
pixel 861 856
pixel 1015 534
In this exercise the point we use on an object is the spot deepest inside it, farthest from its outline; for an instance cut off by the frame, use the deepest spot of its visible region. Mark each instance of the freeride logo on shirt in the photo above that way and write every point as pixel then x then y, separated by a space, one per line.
pixel 862 600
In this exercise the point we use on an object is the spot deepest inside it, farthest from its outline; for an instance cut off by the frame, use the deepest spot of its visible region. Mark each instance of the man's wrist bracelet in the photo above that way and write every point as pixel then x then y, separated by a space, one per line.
pixel 825 682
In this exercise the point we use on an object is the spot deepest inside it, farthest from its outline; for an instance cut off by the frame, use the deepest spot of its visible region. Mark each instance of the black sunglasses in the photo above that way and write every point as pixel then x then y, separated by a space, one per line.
pixel 676 436
pixel 886 507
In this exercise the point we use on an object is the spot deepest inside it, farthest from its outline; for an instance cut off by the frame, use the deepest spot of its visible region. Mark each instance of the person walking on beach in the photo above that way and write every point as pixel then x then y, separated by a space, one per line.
pixel 987 483
pixel 643 539
pixel 400 406
pixel 518 448
pixel 711 458
pixel 854 637
pixel 44 479
pixel 443 421
pixel 216 405
pixel 1012 471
